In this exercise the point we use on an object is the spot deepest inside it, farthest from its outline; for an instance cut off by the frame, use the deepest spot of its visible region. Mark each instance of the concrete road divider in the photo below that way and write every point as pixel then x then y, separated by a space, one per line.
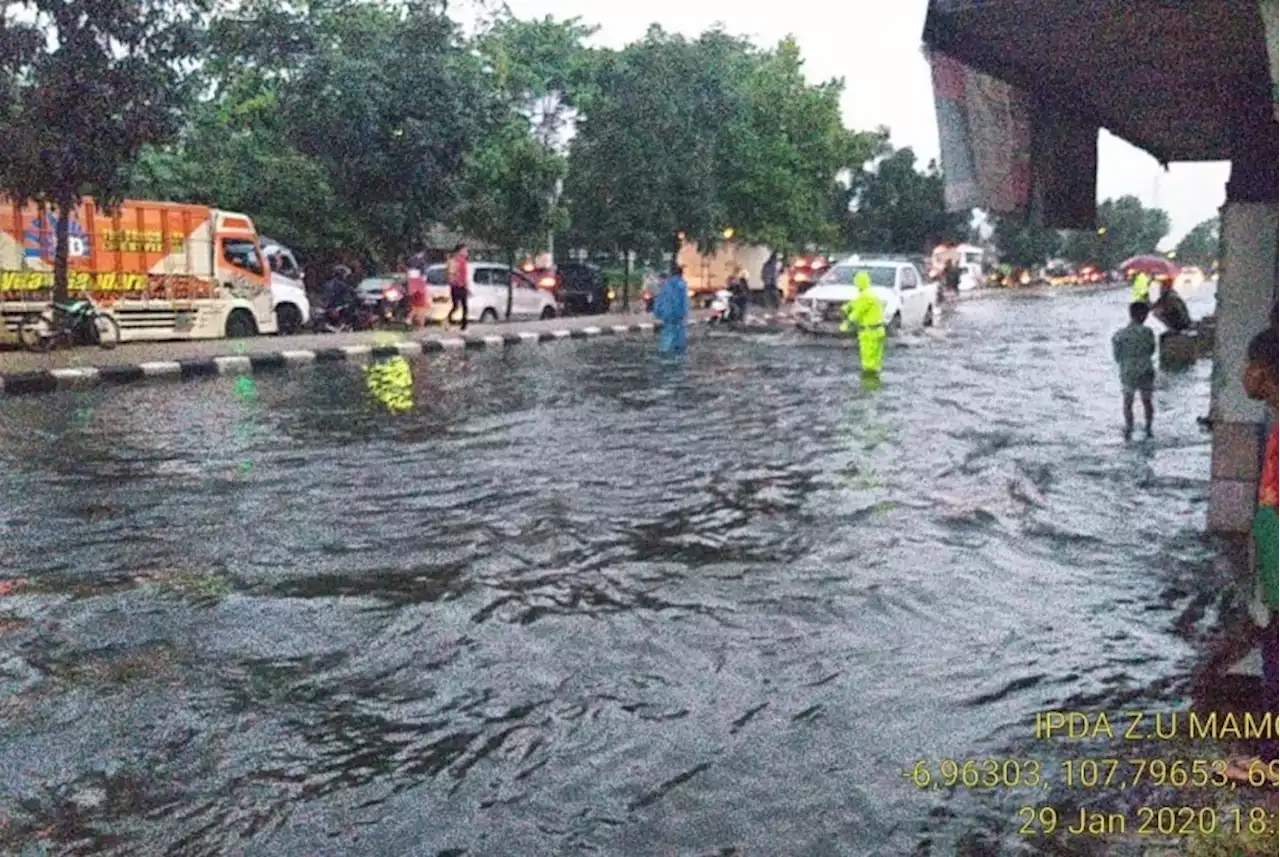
pixel 24 374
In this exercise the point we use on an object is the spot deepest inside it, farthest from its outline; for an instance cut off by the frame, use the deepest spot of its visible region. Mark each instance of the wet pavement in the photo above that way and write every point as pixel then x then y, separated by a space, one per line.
pixel 586 600
pixel 14 361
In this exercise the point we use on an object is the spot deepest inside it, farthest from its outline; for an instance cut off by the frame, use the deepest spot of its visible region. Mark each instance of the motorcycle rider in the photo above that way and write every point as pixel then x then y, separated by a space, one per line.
pixel 339 296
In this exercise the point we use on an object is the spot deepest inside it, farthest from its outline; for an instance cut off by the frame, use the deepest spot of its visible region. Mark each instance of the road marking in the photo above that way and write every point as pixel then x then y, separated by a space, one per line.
pixel 76 375
pixel 492 340
pixel 452 342
pixel 298 356
pixel 560 334
pixel 592 331
pixel 527 336
pixel 645 325
pixel 357 350
pixel 621 328
pixel 409 347
pixel 161 367
pixel 233 365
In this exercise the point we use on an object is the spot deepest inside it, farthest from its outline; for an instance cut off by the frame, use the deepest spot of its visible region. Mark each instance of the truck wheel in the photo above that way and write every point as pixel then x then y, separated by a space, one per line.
pixel 240 325
pixel 895 324
pixel 928 316
pixel 548 313
pixel 489 316
pixel 288 319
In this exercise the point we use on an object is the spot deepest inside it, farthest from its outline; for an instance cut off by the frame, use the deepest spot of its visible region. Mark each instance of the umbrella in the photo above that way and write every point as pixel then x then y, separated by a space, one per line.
pixel 1156 267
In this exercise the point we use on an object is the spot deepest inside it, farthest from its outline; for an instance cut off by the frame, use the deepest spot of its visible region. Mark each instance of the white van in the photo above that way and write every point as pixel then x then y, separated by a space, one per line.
pixel 487 301
pixel 288 295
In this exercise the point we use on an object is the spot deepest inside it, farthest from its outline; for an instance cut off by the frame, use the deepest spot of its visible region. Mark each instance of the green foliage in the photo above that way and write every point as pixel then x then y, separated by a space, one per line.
pixel 336 125
pixel 1125 229
pixel 1023 243
pixel 541 71
pixel 357 125
pixel 1200 246
pixel 782 156
pixel 84 84
pixel 898 209
pixel 542 68
pixel 696 136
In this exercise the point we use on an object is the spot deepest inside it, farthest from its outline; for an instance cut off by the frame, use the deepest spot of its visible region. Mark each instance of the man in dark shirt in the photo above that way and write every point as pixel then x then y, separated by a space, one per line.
pixel 769 277
pixel 1171 310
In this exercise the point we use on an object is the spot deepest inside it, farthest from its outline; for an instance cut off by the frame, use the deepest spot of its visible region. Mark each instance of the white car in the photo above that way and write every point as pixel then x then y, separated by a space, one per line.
pixel 909 300
pixel 288 295
pixel 487 301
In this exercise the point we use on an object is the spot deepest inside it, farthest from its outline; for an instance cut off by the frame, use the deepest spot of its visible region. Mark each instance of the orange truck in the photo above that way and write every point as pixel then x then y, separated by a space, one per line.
pixel 163 270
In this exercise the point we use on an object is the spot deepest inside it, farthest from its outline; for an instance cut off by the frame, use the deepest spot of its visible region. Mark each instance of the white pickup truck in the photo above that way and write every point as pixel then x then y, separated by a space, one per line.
pixel 909 301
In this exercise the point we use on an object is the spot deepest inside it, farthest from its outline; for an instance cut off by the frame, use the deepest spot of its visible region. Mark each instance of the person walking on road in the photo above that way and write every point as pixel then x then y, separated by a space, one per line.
pixel 671 307
pixel 866 313
pixel 458 277
pixel 769 276
pixel 1133 347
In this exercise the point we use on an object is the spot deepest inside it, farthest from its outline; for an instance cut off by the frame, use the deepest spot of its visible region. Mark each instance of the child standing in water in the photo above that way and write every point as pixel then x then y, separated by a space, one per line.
pixel 1262 384
pixel 1134 349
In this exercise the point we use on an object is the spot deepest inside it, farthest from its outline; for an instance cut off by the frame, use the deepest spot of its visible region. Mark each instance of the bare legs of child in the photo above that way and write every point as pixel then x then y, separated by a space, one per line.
pixel 1148 411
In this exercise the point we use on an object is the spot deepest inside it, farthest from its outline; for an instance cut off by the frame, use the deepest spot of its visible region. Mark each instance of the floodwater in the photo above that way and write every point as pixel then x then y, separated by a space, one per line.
pixel 578 599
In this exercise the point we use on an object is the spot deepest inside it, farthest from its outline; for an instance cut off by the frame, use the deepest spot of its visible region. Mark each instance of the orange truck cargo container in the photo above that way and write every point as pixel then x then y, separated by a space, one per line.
pixel 164 270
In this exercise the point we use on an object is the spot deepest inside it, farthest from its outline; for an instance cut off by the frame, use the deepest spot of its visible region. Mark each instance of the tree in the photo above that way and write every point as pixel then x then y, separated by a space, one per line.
pixel 338 126
pixel 542 68
pixel 1200 246
pixel 505 199
pixel 1125 229
pixel 898 209
pixel 1023 243
pixel 643 166
pixel 84 85
pixel 541 71
pixel 783 156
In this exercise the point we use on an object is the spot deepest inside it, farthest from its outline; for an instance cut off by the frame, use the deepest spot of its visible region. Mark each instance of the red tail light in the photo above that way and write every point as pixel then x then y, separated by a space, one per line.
pixel 547 283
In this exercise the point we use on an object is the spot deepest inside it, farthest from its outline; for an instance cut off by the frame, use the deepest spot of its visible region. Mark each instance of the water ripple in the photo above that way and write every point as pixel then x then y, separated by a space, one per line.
pixel 584 600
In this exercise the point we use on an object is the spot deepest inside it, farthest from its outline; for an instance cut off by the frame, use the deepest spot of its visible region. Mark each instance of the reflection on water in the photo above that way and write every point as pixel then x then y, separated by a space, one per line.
pixel 390 381
pixel 581 600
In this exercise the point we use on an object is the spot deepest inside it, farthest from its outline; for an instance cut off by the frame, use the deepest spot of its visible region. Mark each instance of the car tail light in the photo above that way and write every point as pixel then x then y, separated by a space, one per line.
pixel 547 283
pixel 392 295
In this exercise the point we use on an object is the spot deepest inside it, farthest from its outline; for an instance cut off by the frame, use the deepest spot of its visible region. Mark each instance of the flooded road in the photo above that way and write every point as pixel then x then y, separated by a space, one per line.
pixel 581 600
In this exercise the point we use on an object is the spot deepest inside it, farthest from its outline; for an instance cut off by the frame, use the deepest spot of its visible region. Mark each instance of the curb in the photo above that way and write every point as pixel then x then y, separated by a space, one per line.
pixel 51 380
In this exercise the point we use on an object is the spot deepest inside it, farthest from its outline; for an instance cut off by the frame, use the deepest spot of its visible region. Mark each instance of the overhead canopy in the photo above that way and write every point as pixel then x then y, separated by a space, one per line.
pixel 1177 78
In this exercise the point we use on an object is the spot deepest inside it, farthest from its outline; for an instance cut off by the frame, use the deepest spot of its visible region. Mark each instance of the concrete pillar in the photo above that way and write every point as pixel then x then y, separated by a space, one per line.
pixel 1246 294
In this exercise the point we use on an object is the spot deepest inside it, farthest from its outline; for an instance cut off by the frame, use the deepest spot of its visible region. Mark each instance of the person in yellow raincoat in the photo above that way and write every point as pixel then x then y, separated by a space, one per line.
pixel 866 313
pixel 1141 289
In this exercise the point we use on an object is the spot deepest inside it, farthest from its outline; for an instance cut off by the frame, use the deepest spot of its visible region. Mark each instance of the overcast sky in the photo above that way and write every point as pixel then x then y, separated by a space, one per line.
pixel 875 46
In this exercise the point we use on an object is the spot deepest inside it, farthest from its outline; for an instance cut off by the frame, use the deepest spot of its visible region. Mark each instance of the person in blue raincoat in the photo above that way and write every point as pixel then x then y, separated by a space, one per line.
pixel 671 307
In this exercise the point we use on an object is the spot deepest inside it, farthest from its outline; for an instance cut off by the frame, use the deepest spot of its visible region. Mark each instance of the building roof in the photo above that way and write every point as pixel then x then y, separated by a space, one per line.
pixel 1172 77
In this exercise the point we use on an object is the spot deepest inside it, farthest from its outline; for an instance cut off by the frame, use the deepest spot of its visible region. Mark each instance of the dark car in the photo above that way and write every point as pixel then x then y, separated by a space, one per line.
pixel 583 288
